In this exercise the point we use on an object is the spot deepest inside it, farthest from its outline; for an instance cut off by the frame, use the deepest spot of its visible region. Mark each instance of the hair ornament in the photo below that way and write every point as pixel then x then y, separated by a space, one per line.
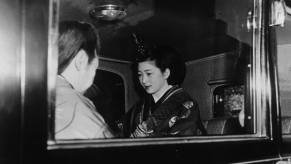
pixel 141 49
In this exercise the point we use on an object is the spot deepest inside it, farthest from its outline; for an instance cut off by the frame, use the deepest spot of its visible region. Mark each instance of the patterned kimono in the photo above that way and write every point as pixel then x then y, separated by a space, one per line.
pixel 76 116
pixel 174 114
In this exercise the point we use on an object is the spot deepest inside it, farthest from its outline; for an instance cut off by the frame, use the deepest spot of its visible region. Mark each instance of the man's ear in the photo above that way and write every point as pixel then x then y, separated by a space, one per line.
pixel 81 60
pixel 166 73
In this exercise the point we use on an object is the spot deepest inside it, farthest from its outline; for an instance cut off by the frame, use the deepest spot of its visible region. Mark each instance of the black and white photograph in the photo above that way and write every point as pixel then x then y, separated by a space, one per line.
pixel 145 81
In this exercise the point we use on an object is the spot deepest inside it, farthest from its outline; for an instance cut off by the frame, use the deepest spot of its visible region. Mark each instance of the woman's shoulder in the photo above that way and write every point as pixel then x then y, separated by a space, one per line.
pixel 180 94
pixel 181 97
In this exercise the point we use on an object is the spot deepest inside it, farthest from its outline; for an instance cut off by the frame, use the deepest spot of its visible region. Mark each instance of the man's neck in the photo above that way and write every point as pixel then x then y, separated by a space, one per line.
pixel 69 77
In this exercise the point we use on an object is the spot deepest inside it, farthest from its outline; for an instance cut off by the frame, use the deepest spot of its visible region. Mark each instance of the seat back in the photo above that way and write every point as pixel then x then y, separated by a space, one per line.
pixel 223 126
pixel 215 126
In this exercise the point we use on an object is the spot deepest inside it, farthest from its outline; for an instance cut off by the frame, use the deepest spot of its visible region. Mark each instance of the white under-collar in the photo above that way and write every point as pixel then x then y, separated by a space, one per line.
pixel 157 98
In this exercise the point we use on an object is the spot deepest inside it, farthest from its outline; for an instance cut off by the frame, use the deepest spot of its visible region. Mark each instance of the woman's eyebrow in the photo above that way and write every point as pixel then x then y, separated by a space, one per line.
pixel 148 70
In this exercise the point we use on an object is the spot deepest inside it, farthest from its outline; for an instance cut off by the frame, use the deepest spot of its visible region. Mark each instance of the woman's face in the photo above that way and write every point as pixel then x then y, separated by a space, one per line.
pixel 151 78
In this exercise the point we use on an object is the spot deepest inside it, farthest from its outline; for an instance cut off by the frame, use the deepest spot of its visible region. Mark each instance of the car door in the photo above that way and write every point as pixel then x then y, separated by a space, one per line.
pixel 244 23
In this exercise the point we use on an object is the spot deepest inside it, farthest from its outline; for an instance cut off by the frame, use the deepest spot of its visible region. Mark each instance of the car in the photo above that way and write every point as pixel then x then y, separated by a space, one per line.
pixel 237 63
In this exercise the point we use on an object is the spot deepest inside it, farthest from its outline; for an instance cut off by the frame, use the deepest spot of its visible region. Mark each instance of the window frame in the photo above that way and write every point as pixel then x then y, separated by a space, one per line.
pixel 263 100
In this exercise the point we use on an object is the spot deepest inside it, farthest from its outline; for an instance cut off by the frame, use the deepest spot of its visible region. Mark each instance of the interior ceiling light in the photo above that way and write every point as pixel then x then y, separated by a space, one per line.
pixel 108 12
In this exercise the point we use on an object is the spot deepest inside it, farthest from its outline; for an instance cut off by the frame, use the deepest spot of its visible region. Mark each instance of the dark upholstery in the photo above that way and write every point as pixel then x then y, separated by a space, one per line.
pixel 215 126
pixel 226 126
pixel 223 126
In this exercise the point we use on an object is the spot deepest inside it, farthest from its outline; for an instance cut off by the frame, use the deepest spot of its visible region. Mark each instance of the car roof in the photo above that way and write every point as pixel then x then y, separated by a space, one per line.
pixel 189 26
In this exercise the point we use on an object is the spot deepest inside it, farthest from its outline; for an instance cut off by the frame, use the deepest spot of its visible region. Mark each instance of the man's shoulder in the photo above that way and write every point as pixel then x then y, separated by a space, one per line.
pixel 65 94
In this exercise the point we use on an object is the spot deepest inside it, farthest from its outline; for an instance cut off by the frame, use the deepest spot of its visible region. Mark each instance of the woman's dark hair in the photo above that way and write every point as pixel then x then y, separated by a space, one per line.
pixel 73 37
pixel 164 57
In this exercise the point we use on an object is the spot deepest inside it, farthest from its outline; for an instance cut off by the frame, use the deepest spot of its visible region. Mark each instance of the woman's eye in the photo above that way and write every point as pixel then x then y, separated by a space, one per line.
pixel 149 74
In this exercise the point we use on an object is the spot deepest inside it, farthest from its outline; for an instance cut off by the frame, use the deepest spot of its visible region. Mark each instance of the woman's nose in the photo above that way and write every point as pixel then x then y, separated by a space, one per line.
pixel 144 79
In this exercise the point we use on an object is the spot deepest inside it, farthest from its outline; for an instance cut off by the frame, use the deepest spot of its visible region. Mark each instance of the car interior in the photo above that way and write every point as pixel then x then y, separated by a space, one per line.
pixel 212 39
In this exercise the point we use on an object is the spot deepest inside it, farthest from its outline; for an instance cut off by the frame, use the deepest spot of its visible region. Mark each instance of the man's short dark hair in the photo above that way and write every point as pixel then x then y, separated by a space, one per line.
pixel 73 37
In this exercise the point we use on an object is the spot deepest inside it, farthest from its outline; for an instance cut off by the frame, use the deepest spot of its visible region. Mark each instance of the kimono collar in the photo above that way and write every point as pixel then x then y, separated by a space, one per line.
pixel 168 94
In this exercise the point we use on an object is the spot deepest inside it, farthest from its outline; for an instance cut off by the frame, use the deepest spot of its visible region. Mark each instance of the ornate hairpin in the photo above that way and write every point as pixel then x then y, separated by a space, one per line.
pixel 140 45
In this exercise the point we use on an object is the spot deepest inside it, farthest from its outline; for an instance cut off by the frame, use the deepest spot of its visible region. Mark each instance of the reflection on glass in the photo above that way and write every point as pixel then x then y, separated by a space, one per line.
pixel 228 101
pixel 284 69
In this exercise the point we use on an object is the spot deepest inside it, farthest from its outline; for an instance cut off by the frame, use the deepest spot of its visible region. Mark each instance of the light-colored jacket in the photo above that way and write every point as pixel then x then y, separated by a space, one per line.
pixel 76 116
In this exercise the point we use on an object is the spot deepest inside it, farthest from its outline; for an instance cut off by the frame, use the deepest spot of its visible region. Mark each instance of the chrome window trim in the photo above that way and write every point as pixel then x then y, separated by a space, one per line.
pixel 261 95
pixel 101 143
pixel 52 64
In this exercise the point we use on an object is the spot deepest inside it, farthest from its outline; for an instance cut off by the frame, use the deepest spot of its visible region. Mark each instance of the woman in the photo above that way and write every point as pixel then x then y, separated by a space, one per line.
pixel 165 108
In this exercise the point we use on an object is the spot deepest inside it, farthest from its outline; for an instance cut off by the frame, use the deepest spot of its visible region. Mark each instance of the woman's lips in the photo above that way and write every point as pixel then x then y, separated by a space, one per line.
pixel 147 87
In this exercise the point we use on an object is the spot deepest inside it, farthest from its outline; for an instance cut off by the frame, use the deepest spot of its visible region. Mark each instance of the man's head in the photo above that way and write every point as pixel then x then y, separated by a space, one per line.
pixel 78 48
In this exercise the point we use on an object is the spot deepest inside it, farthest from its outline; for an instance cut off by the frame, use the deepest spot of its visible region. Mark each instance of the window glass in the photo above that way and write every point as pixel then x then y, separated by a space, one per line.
pixel 284 69
pixel 107 94
pixel 212 37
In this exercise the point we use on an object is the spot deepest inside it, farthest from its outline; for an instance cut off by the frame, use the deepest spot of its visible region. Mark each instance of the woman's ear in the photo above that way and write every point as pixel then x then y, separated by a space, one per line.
pixel 166 73
pixel 81 60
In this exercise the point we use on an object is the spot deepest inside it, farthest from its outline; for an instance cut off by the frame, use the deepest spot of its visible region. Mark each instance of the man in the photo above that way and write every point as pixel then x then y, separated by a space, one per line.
pixel 76 116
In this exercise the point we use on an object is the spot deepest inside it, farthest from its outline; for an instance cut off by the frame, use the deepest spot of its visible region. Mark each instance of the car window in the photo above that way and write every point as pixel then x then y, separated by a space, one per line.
pixel 217 41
